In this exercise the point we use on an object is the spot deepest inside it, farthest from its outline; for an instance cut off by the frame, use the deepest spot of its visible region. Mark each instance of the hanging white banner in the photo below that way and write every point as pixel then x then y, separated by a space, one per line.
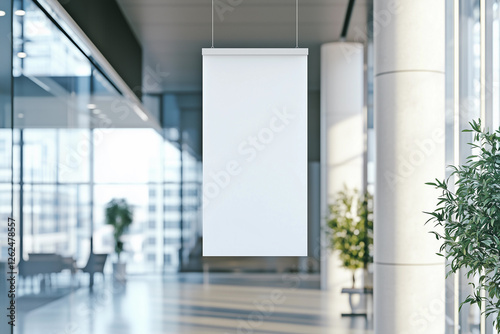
pixel 255 152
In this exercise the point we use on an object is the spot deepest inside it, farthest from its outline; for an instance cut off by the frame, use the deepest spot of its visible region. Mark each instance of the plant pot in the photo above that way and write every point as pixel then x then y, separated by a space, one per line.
pixel 120 272
pixel 368 278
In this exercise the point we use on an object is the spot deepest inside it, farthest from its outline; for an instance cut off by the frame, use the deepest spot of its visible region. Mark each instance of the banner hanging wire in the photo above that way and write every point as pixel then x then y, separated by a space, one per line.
pixel 212 23
pixel 296 23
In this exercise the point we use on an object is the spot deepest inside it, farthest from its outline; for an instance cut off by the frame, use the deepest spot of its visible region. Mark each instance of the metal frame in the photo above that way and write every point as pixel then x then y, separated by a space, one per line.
pixel 486 112
pixel 456 135
pixel 347 19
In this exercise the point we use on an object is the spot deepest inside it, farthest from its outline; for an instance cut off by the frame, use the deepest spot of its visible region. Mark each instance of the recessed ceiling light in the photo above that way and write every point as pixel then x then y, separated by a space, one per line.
pixel 96 111
pixel 22 55
pixel 91 106
pixel 20 12
pixel 20 115
pixel 2 13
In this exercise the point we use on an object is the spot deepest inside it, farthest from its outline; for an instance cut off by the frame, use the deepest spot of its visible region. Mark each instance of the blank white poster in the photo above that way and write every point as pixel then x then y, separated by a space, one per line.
pixel 255 152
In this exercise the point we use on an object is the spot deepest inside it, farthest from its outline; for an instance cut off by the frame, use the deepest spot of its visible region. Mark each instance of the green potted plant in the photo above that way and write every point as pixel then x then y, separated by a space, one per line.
pixel 119 214
pixel 350 225
pixel 468 219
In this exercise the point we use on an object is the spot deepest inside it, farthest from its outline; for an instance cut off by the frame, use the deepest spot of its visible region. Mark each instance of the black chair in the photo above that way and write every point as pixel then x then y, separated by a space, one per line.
pixel 95 264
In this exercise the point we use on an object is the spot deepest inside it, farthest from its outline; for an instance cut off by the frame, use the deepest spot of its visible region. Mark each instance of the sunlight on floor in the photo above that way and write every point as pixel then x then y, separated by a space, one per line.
pixel 179 305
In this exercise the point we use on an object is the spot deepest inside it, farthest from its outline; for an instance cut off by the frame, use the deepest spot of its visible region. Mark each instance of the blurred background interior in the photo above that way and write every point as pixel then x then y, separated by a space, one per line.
pixel 107 104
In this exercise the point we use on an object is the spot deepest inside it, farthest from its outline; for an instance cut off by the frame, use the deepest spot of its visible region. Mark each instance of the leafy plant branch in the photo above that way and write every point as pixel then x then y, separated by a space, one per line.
pixel 351 229
pixel 119 215
pixel 470 218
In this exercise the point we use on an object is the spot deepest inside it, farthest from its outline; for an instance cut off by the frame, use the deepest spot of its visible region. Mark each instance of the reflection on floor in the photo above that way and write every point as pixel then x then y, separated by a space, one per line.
pixel 31 302
pixel 183 304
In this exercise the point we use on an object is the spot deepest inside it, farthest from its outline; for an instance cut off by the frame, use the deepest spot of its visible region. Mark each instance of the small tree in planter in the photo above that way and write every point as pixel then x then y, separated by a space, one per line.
pixel 119 215
pixel 470 217
pixel 351 229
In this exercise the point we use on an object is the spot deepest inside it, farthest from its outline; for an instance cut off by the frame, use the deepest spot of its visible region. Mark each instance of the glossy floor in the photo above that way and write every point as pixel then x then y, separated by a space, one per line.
pixel 240 304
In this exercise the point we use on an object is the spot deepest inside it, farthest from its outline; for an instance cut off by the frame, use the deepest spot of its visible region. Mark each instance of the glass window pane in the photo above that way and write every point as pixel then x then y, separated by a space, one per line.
pixel 128 156
pixel 135 239
pixel 74 155
pixel 51 76
pixel 496 63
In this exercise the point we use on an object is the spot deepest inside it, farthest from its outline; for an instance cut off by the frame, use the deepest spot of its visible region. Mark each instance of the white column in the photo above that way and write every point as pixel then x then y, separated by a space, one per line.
pixel 342 140
pixel 409 125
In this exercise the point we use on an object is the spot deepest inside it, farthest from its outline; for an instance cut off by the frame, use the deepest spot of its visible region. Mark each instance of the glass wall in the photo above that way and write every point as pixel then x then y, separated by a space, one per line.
pixel 470 109
pixel 191 202
pixel 52 88
pixel 468 99
pixel 77 143
pixel 5 124
pixel 493 60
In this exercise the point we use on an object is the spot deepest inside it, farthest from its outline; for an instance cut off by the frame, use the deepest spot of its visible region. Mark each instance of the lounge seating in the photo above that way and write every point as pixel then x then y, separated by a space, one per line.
pixel 95 264
pixel 51 263
pixel 45 263
pixel 250 264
